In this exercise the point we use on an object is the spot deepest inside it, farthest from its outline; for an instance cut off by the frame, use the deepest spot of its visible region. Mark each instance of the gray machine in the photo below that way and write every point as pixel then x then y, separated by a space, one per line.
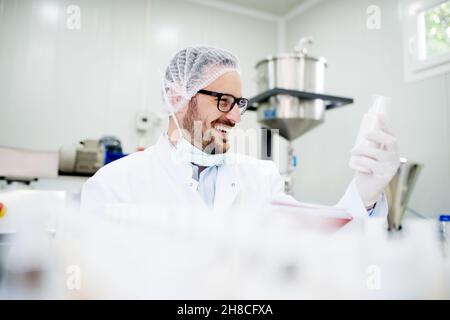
pixel 84 158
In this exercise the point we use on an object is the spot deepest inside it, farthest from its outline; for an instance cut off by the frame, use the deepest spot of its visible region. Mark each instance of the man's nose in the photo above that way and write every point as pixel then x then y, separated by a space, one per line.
pixel 234 115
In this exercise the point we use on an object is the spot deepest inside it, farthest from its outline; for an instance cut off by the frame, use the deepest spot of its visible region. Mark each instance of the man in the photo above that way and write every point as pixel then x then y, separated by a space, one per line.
pixel 190 168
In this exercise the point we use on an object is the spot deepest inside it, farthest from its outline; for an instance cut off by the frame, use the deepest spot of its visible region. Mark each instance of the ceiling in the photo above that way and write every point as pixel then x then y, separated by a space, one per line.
pixel 274 7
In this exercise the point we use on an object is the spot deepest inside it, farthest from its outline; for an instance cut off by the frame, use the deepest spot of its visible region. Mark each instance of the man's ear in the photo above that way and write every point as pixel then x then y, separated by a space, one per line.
pixel 174 99
pixel 182 111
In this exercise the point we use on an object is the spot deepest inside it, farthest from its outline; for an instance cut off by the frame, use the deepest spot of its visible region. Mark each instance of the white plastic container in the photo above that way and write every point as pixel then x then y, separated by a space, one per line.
pixel 370 120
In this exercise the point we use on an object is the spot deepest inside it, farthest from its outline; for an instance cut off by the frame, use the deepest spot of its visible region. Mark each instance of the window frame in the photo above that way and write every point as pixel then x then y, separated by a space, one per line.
pixel 416 66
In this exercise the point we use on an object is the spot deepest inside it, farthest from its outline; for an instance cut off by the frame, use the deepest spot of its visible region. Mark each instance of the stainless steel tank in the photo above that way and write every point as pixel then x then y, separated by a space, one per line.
pixel 296 71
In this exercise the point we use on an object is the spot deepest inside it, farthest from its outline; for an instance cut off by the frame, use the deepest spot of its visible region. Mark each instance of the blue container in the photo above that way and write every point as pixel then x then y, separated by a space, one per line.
pixel 112 156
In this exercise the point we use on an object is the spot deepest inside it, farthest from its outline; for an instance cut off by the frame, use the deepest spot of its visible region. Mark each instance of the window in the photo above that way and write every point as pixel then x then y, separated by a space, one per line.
pixel 426 33
pixel 435 25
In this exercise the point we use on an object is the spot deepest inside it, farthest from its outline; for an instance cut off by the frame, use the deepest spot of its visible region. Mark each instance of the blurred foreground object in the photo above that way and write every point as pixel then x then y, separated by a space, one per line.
pixel 399 191
pixel 27 254
pixel 146 252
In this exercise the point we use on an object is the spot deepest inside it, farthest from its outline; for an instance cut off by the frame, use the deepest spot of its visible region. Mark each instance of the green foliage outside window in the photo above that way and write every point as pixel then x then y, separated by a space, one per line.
pixel 437 24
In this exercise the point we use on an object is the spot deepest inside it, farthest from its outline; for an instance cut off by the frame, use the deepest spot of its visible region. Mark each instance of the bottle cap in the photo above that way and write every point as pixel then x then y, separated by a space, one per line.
pixel 380 104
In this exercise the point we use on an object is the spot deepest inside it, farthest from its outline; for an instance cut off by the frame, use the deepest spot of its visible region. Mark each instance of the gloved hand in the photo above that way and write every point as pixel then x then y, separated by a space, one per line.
pixel 375 165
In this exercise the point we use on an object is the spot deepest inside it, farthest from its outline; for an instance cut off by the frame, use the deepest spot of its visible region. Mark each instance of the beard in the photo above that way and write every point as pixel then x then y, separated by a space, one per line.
pixel 201 134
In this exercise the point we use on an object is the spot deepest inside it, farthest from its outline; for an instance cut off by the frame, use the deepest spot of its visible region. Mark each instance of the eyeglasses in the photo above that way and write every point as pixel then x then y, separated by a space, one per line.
pixel 226 102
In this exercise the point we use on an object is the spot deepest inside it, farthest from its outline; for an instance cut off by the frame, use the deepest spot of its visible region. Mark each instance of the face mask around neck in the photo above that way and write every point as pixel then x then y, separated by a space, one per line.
pixel 189 153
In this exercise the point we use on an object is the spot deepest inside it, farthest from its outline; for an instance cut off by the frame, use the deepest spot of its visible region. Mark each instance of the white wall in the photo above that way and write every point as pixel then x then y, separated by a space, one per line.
pixel 58 86
pixel 363 62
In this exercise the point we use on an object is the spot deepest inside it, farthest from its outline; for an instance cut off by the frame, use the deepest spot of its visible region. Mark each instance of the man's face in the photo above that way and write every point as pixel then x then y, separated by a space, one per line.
pixel 208 127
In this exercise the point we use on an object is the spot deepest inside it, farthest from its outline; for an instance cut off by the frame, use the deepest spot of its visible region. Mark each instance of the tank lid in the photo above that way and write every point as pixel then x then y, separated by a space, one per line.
pixel 291 56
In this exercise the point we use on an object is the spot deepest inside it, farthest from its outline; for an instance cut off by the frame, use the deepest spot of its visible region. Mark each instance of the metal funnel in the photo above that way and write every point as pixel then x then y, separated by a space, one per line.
pixel 291 116
pixel 399 191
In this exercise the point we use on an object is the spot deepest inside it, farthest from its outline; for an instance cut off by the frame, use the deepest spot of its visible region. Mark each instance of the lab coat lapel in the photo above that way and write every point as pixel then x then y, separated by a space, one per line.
pixel 178 171
pixel 227 187
pixel 173 166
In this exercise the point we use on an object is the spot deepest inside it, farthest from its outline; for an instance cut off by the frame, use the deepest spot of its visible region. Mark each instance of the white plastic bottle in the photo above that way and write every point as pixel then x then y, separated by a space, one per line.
pixel 370 121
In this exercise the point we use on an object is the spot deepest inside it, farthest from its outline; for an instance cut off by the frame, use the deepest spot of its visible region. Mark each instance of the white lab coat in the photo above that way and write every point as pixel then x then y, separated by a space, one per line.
pixel 154 177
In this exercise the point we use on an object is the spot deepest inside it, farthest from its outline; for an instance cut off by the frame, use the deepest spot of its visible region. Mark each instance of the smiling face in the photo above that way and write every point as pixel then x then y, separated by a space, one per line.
pixel 207 126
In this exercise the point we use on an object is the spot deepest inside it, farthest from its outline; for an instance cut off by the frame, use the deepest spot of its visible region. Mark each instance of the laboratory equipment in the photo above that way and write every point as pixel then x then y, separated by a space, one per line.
pixel 296 71
pixel 399 191
pixel 110 144
pixel 112 149
pixel 89 155
pixel 83 158
pixel 291 99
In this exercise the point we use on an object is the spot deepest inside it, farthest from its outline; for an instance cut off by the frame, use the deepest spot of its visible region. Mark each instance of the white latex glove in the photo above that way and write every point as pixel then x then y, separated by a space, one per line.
pixel 375 165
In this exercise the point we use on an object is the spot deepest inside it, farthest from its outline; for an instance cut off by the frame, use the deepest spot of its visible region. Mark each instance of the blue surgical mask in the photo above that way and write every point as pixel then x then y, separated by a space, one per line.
pixel 190 153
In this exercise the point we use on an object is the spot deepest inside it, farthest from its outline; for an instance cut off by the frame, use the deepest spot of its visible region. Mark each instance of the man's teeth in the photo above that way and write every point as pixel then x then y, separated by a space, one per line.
pixel 222 128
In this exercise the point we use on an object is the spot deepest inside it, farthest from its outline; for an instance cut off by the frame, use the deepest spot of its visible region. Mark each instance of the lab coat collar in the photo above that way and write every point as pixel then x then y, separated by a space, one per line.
pixel 227 183
pixel 178 170
pixel 166 151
